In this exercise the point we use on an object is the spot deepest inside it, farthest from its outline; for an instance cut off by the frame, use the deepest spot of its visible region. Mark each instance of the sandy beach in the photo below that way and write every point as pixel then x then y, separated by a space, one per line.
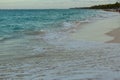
pixel 90 52
pixel 59 39
pixel 115 33
pixel 96 31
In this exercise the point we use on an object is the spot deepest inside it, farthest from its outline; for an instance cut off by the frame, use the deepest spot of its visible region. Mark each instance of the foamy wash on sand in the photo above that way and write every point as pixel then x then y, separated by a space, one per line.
pixel 46 44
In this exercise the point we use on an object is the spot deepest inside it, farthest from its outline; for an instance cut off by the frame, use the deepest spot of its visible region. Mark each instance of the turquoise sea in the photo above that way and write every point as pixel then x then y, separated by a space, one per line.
pixel 28 35
pixel 17 23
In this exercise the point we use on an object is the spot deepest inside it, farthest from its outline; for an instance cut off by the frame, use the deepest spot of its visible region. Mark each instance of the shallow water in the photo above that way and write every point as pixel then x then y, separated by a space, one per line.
pixel 69 61
pixel 36 45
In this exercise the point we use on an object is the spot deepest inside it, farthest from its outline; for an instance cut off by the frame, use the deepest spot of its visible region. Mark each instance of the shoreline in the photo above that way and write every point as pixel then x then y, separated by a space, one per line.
pixel 60 56
pixel 114 33
pixel 112 10
pixel 96 31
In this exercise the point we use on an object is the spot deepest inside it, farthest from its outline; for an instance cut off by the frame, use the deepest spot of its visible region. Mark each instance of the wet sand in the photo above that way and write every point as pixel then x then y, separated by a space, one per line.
pixel 116 34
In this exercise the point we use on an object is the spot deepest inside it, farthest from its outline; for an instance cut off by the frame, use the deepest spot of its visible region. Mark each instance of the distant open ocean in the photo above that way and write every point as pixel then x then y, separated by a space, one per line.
pixel 26 33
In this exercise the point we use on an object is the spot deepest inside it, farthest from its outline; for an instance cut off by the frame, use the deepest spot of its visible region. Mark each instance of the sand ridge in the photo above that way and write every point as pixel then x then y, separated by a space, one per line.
pixel 116 34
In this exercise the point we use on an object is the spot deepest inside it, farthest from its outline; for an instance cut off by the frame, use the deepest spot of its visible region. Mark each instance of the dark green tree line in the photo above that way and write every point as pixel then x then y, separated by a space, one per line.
pixel 107 6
